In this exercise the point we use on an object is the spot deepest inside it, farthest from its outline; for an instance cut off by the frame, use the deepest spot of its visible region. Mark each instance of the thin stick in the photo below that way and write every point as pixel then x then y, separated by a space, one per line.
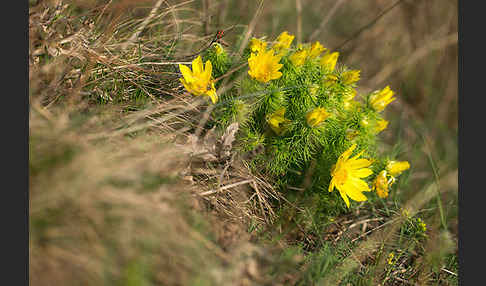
pixel 371 230
pixel 450 272
pixel 298 7
pixel 365 221
pixel 224 188
pixel 371 23
pixel 143 25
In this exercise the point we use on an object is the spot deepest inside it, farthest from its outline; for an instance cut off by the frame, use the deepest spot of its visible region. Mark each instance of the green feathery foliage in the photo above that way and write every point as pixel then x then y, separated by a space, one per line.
pixel 303 111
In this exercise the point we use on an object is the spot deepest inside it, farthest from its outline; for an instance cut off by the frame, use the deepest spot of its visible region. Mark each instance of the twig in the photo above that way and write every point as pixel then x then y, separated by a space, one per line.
pixel 365 221
pixel 371 230
pixel 295 188
pixel 225 188
pixel 450 272
pixel 228 73
pixel 261 201
pixel 355 35
pixel 298 7
pixel 103 11
pixel 143 25
pixel 226 167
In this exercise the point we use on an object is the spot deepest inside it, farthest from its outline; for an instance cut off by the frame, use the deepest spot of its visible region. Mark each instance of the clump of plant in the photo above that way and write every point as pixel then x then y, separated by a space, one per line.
pixel 298 105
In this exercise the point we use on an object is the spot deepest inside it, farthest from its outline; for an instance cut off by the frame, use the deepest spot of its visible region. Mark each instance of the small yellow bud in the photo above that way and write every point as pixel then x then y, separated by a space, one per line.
pixel 298 58
pixel 257 45
pixel 350 77
pixel 351 134
pixel 365 122
pixel 330 80
pixel 379 100
pixel 277 121
pixel 315 50
pixel 349 95
pixel 329 60
pixel 381 125
pixel 380 184
pixel 422 225
pixel 316 116
pixel 218 49
pixel 391 256
pixel 395 168
pixel 283 43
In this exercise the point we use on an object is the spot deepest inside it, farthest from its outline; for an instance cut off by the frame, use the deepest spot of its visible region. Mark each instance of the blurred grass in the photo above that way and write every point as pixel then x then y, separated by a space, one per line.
pixel 108 207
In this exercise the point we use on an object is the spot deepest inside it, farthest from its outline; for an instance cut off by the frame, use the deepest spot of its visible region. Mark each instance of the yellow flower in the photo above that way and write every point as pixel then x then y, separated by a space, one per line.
pixel 382 98
pixel 283 43
pixel 365 122
pixel 395 168
pixel 380 184
pixel 346 176
pixel 316 116
pixel 351 76
pixel 422 225
pixel 390 258
pixel 351 134
pixel 381 125
pixel 277 121
pixel 315 50
pixel 198 81
pixel 330 80
pixel 349 95
pixel 348 99
pixel 298 58
pixel 329 60
pixel 218 49
pixel 257 45
pixel 264 66
pixel 347 105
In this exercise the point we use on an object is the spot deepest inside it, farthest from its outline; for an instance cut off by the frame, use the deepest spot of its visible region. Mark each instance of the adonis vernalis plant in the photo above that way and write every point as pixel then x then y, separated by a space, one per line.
pixel 303 108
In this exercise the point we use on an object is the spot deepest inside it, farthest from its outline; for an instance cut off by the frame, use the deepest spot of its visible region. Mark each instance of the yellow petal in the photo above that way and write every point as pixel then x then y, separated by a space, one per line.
pixel 208 70
pixel 212 94
pixel 359 163
pixel 345 198
pixel 186 73
pixel 357 184
pixel 186 86
pixel 347 153
pixel 331 186
pixel 394 168
pixel 356 195
pixel 197 66
pixel 362 173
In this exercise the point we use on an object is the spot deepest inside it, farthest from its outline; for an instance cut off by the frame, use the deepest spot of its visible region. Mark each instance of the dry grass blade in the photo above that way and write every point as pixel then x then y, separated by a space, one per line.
pixel 211 192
